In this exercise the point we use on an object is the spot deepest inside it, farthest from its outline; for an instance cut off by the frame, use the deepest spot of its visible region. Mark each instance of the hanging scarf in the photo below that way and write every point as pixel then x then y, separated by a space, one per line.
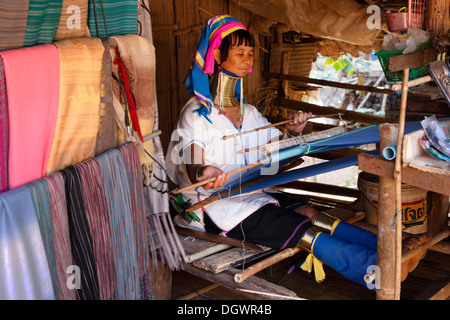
pixel 24 269
pixel 32 92
pixel 197 79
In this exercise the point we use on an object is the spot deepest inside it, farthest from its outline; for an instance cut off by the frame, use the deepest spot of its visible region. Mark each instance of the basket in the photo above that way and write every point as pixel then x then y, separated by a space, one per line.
pixel 416 13
pixel 397 76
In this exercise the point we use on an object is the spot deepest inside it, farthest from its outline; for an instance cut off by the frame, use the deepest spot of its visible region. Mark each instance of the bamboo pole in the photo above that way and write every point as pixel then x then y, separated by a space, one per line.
pixel 413 83
pixel 286 253
pixel 199 292
pixel 277 125
pixel 201 183
pixel 386 236
pixel 398 186
pixel 257 129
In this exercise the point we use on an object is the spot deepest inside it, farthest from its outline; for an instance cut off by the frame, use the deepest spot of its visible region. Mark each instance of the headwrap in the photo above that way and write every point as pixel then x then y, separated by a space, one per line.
pixel 197 79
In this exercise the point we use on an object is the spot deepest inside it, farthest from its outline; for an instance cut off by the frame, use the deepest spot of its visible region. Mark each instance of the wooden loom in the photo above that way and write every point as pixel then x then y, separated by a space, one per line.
pixel 217 261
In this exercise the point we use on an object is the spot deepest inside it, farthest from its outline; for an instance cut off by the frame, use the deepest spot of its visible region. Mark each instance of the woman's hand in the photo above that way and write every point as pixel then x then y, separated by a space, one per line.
pixel 207 172
pixel 299 121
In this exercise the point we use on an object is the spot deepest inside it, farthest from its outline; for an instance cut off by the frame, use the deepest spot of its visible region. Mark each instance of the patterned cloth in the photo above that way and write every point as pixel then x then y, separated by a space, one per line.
pixel 197 79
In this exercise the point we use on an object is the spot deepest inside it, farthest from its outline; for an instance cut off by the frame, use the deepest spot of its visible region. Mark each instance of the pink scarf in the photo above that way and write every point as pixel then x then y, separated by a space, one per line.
pixel 32 84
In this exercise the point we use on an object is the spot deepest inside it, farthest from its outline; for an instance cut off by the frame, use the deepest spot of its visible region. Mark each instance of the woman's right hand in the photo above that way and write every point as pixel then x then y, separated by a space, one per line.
pixel 207 172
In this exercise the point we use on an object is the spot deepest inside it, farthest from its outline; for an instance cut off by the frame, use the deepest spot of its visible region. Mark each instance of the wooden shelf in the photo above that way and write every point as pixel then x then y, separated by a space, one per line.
pixel 425 180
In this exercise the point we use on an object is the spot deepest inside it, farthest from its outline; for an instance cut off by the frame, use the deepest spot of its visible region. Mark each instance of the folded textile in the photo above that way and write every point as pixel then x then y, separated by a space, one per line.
pixel 42 22
pixel 107 131
pixel 13 22
pixel 79 104
pixel 111 17
pixel 32 95
pixel 24 270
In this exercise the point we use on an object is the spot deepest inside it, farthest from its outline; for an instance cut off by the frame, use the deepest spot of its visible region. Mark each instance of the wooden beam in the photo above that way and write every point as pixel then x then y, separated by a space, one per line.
pixel 413 60
pixel 225 279
pixel 327 83
pixel 438 290
pixel 347 115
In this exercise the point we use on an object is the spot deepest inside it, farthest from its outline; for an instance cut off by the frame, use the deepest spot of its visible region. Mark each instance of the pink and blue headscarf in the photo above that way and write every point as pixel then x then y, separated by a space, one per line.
pixel 197 79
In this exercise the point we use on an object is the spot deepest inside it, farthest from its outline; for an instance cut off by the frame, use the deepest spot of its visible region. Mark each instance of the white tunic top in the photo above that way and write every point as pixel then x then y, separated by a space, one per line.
pixel 192 128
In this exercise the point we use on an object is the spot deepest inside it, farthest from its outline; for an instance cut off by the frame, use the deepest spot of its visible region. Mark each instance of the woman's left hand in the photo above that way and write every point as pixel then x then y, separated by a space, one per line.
pixel 299 121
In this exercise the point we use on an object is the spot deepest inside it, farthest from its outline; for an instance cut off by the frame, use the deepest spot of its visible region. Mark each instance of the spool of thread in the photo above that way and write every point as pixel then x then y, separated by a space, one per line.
pixel 390 152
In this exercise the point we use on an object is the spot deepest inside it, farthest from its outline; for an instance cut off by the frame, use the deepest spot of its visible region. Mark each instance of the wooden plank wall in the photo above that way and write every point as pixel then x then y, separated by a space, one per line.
pixel 177 27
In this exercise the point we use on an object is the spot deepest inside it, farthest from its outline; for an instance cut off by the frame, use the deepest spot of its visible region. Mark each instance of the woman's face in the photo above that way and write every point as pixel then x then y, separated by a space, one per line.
pixel 239 61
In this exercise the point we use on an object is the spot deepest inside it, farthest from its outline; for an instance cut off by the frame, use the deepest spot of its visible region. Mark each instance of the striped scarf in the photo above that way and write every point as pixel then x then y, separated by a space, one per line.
pixel 60 232
pixel 80 236
pixel 97 215
pixel 112 17
pixel 42 21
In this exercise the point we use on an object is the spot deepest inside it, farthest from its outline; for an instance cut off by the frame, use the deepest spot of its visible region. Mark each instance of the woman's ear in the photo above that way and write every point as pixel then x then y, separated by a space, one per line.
pixel 216 55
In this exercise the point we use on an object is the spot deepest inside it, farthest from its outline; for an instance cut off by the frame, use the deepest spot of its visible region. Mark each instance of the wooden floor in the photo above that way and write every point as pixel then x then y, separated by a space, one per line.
pixel 434 268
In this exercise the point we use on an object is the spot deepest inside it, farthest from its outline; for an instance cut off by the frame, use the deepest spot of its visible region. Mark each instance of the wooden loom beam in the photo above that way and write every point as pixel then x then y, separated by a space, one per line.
pixel 346 115
pixel 287 77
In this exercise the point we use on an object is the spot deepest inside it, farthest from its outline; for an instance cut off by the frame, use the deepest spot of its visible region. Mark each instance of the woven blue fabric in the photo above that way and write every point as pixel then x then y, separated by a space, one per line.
pixel 348 232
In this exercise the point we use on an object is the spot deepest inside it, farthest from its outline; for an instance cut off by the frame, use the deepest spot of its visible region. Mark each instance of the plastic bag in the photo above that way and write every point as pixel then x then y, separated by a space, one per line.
pixel 438 134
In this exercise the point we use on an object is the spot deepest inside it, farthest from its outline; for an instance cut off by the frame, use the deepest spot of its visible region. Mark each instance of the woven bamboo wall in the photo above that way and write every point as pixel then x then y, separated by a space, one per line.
pixel 177 27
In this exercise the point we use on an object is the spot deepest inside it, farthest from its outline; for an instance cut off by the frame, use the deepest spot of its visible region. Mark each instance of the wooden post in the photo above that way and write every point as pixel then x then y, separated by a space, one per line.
pixel 437 19
pixel 161 281
pixel 285 70
pixel 386 221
